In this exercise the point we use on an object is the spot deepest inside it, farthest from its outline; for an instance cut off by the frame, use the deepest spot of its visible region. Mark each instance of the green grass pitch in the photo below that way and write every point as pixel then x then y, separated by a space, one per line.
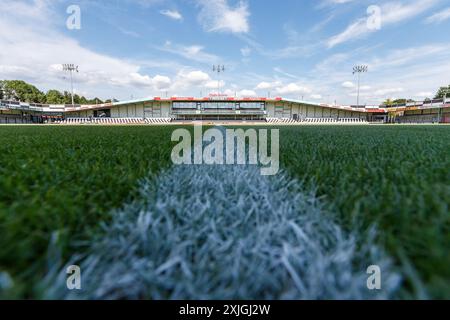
pixel 68 179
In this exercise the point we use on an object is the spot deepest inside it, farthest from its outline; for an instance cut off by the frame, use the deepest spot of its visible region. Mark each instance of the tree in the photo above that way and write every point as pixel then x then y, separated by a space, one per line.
pixel 389 102
pixel 83 100
pixel 443 92
pixel 19 90
pixel 54 97
pixel 1 89
pixel 76 99
pixel 67 98
pixel 402 101
pixel 95 101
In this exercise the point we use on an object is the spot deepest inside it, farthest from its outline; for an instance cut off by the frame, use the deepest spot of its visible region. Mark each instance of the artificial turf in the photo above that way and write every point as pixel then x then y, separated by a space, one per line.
pixel 395 176
pixel 65 180
pixel 223 233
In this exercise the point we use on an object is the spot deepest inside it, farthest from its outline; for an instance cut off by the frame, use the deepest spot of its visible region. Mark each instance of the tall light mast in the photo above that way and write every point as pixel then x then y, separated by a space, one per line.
pixel 359 69
pixel 71 68
pixel 219 69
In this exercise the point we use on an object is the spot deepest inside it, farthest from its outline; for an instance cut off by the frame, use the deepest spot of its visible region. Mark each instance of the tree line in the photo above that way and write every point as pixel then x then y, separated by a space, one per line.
pixel 18 90
pixel 443 92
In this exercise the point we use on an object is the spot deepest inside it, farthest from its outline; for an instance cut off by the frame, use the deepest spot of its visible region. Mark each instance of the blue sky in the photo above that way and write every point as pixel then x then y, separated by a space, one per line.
pixel 292 48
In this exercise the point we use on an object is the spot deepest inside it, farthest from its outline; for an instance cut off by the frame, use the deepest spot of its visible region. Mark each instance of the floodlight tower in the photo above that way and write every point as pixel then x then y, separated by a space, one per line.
pixel 359 69
pixel 219 69
pixel 444 99
pixel 446 92
pixel 71 68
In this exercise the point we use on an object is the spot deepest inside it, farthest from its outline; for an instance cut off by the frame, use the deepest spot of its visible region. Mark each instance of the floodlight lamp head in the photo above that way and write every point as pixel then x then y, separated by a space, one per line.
pixel 360 69
pixel 70 67
pixel 218 68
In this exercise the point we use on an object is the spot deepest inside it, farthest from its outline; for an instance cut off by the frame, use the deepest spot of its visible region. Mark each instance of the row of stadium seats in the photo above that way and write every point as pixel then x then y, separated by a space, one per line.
pixel 419 119
pixel 281 121
pixel 158 120
pixel 333 120
pixel 316 121
pixel 113 121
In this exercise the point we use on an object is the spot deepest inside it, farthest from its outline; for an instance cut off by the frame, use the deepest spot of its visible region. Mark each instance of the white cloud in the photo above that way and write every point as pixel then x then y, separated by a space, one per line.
pixel 353 31
pixel 388 91
pixel 219 16
pixel 173 14
pixel 161 82
pixel 190 79
pixel 192 52
pixel 133 79
pixel 267 85
pixel 264 86
pixel 194 77
pixel 424 94
pixel 286 74
pixel 247 93
pixel 439 16
pixel 284 89
pixel 365 88
pixel 293 88
pixel 391 13
pixel 316 96
pixel 214 84
pixel 348 84
pixel 404 56
pixel 415 69
pixel 228 92
pixel 27 28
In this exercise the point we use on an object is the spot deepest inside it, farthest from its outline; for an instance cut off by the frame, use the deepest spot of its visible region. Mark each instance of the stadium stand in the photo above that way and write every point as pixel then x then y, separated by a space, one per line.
pixel 114 121
pixel 158 111
pixel 158 120
pixel 18 119
pixel 318 121
pixel 419 119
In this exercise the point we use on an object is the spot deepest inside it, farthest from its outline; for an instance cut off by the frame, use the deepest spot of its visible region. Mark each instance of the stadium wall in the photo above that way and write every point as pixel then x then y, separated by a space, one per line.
pixel 131 110
pixel 278 109
pixel 289 110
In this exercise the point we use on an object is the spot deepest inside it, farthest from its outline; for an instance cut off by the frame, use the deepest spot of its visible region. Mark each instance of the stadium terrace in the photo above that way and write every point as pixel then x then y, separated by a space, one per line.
pixel 182 110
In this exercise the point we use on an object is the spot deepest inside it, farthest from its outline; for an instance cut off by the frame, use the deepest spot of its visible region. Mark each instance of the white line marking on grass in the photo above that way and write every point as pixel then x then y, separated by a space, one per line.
pixel 225 232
